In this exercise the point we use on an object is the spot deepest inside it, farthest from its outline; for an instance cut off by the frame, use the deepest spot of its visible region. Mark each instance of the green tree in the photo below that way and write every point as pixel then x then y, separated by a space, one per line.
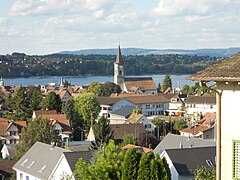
pixel 52 102
pixel 106 166
pixel 166 170
pixel 157 169
pixel 88 107
pixel 180 124
pixel 185 89
pixel 130 164
pixel 144 171
pixel 96 88
pixel 37 130
pixel 128 139
pixel 18 105
pixel 35 98
pixel 102 132
pixel 76 121
pixel 159 88
pixel 110 87
pixel 167 82
pixel 203 172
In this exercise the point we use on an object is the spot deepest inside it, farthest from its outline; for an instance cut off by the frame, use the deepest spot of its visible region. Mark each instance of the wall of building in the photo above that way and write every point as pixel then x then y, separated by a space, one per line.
pixel 62 170
pixel 230 124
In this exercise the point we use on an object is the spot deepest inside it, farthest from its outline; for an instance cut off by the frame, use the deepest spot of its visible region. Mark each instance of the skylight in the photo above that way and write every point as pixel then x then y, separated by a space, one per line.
pixel 30 165
pixel 24 162
pixel 42 169
pixel 209 163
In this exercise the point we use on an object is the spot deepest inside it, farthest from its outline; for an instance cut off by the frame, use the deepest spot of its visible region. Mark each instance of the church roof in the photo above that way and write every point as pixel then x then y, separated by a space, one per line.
pixel 226 70
pixel 119 59
pixel 143 83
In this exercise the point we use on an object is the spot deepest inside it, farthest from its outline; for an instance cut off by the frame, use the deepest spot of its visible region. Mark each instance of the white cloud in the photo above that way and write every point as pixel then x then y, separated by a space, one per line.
pixel 193 7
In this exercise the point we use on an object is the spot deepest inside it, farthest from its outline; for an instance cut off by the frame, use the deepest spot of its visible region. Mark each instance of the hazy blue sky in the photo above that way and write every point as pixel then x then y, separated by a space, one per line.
pixel 48 26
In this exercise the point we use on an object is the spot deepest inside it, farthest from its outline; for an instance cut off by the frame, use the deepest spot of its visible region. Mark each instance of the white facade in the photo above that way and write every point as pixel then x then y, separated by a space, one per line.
pixel 149 126
pixel 12 136
pixel 229 125
pixel 202 108
pixel 62 170
pixel 154 109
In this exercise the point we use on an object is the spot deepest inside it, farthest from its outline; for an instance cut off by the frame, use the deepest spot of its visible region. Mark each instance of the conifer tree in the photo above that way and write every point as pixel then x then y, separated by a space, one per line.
pixel 144 171
pixel 167 82
pixel 130 164
pixel 102 132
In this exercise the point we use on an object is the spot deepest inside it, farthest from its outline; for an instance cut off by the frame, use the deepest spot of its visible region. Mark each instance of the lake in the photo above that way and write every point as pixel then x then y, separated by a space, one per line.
pixel 177 80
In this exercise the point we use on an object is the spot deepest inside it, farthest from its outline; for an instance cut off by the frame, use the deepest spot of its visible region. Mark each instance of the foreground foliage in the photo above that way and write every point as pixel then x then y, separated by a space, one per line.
pixel 113 163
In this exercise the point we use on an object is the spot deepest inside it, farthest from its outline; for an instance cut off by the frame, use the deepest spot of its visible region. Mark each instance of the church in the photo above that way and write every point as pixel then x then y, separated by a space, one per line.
pixel 135 85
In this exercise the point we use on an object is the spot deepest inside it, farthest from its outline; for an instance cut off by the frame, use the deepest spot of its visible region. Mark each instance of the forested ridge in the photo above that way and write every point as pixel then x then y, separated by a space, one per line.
pixel 22 65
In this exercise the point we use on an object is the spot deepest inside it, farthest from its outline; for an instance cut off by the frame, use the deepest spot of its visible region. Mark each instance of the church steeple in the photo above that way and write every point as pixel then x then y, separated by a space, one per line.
pixel 119 59
pixel 119 76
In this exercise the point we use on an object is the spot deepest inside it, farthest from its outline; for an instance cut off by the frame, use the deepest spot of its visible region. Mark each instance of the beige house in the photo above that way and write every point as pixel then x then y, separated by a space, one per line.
pixel 226 75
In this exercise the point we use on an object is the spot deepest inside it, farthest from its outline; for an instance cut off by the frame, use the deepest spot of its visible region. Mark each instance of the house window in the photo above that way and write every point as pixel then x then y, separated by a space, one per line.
pixel 27 177
pixel 13 141
pixel 21 176
pixel 211 106
pixel 13 133
pixel 236 159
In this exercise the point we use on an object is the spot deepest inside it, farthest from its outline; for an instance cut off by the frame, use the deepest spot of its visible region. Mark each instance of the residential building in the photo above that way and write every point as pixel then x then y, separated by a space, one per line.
pixel 41 161
pixel 199 105
pixel 137 130
pixel 140 118
pixel 184 162
pixel 121 115
pixel 205 128
pixel 10 131
pixel 226 75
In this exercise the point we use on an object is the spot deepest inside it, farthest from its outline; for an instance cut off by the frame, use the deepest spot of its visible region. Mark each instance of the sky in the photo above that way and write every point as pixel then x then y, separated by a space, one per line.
pixel 49 26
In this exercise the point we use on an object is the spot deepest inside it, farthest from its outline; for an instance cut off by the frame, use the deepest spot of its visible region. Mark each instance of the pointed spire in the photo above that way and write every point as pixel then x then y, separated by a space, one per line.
pixel 119 59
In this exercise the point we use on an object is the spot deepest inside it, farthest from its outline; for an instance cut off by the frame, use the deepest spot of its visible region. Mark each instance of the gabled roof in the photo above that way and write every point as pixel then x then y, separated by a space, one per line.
pixel 208 119
pixel 119 130
pixel 195 130
pixel 226 70
pixel 145 150
pixel 143 83
pixel 6 166
pixel 44 112
pixel 4 123
pixel 40 160
pixel 173 141
pixel 187 160
pixel 125 111
pixel 73 157
pixel 134 118
pixel 201 99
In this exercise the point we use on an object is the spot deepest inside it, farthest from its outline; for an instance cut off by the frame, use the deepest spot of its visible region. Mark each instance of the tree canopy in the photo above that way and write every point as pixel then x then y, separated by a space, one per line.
pixel 167 82
pixel 88 107
pixel 52 102
pixel 102 132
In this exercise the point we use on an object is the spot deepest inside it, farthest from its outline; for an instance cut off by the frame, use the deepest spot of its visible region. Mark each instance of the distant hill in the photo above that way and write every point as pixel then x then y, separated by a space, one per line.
pixel 140 51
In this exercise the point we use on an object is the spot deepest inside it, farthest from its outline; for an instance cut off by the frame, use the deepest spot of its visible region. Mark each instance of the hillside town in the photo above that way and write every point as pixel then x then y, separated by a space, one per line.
pixel 54 131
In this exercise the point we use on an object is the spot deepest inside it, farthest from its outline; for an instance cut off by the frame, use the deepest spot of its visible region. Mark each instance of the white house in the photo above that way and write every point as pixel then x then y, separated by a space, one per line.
pixel 41 161
pixel 44 161
pixel 199 105
pixel 227 78
pixel 10 131
pixel 140 118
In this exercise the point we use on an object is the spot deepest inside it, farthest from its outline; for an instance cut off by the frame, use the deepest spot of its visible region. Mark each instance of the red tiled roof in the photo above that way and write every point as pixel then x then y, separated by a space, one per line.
pixel 3 126
pixel 128 146
pixel 143 84
pixel 195 130
pixel 226 70
pixel 43 112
